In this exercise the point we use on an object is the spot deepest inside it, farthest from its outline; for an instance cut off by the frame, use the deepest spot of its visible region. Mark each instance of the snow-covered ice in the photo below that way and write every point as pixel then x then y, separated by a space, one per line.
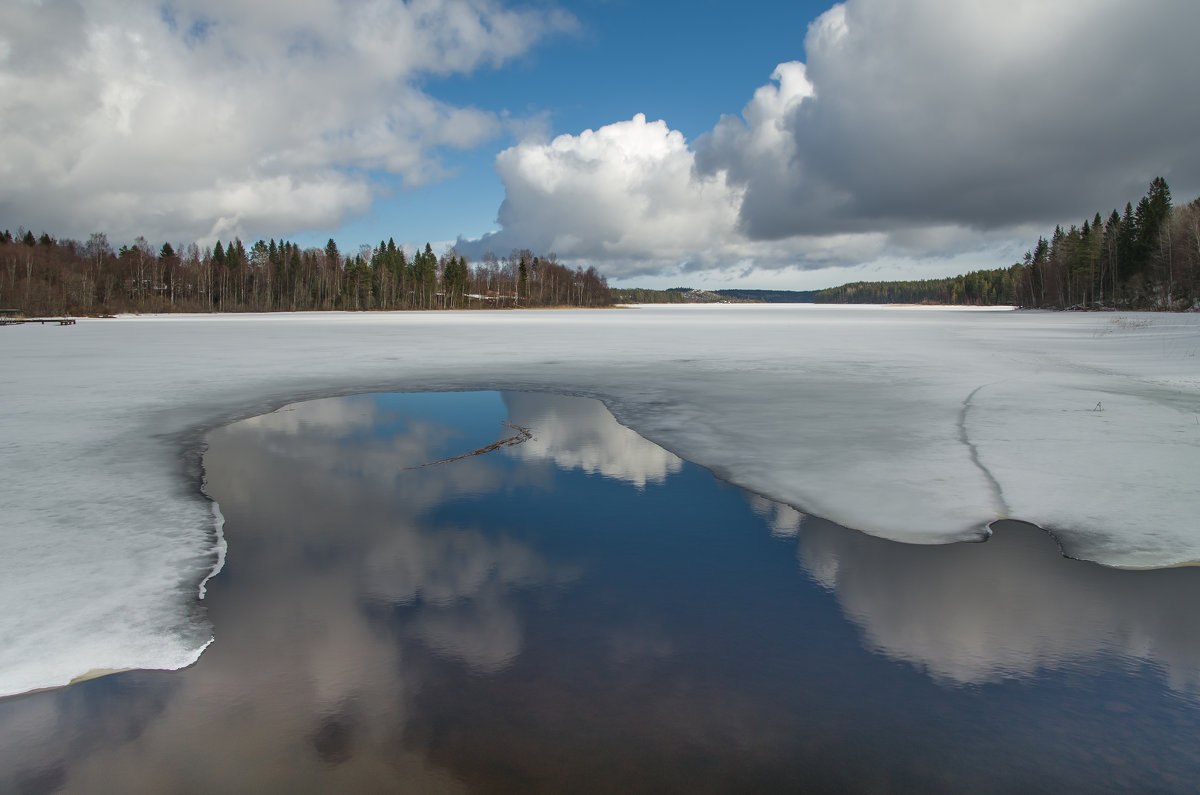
pixel 912 424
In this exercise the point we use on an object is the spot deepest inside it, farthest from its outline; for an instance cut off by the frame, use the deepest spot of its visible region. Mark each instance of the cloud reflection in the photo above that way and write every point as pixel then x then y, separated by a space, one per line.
pixel 581 433
pixel 337 588
pixel 1007 608
pixel 462 582
pixel 367 608
pixel 784 520
pixel 455 583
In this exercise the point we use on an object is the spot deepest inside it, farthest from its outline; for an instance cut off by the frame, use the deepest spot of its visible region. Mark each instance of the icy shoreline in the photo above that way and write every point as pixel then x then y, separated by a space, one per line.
pixel 920 425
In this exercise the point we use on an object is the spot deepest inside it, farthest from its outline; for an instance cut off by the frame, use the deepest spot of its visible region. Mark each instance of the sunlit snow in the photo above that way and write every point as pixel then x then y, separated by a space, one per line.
pixel 912 424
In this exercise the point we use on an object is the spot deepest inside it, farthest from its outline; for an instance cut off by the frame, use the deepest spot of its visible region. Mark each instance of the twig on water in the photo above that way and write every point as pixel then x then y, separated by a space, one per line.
pixel 522 435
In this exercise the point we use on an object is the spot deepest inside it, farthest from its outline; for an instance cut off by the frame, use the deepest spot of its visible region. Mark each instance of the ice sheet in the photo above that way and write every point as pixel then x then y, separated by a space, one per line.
pixel 912 424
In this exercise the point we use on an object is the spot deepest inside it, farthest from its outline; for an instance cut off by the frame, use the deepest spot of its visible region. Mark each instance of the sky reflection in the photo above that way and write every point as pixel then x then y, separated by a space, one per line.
pixel 580 433
pixel 587 612
pixel 1007 608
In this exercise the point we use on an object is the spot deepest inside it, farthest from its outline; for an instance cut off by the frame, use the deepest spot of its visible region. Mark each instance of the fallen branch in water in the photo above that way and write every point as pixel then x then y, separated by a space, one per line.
pixel 522 435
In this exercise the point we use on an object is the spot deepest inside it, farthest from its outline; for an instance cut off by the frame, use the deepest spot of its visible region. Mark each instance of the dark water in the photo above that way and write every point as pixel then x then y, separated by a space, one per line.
pixel 586 612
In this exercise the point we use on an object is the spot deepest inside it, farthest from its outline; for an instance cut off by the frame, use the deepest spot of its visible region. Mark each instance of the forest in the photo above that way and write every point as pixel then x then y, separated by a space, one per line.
pixel 690 295
pixel 645 295
pixel 42 276
pixel 977 288
pixel 1145 258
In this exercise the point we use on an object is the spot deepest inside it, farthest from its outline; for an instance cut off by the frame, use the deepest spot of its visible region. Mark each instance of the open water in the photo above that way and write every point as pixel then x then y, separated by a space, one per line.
pixel 580 610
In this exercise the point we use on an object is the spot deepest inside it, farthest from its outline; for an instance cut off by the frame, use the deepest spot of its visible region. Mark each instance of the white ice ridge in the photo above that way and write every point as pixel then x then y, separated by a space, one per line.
pixel 918 425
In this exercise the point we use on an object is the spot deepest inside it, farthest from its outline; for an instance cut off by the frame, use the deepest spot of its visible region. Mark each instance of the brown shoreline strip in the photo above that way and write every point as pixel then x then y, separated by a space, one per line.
pixel 523 435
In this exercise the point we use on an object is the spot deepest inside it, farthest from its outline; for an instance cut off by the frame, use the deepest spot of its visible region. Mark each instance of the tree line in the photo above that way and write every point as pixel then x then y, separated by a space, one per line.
pixel 645 295
pixel 691 295
pixel 977 288
pixel 1145 258
pixel 45 276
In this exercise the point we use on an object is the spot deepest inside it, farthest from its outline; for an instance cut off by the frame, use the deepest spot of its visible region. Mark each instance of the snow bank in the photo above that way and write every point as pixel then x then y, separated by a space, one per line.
pixel 916 425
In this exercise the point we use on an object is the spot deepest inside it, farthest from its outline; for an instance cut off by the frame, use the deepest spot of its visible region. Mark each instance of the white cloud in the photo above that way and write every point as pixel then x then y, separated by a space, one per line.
pixel 919 133
pixel 193 119
pixel 623 193
pixel 982 115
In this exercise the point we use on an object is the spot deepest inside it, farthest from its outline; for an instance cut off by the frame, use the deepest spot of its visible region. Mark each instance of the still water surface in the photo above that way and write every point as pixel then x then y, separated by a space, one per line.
pixel 584 611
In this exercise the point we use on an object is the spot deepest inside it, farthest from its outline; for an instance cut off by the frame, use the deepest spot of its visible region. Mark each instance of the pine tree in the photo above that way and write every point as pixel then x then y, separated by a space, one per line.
pixel 1037 271
pixel 1112 248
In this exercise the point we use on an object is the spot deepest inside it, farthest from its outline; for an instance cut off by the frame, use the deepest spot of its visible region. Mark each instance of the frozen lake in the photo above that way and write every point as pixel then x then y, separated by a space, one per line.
pixel 920 425
pixel 586 612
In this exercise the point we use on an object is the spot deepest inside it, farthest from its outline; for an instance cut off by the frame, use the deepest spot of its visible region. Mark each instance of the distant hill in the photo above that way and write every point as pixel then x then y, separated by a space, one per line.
pixel 688 295
pixel 977 288
pixel 771 296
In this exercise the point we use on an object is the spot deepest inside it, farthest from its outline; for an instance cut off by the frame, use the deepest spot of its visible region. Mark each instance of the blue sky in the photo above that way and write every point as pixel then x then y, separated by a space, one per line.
pixel 685 63
pixel 714 144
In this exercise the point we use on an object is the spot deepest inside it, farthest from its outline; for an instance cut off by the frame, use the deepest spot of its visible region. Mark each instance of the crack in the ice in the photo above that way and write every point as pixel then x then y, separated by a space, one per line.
pixel 997 493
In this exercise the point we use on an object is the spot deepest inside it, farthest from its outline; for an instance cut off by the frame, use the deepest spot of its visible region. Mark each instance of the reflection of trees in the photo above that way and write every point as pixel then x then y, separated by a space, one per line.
pixel 1006 608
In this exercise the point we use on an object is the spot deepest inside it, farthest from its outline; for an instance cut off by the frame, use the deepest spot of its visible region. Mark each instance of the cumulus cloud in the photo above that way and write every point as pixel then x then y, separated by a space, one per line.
pixel 625 192
pixel 915 130
pixel 983 115
pixel 194 119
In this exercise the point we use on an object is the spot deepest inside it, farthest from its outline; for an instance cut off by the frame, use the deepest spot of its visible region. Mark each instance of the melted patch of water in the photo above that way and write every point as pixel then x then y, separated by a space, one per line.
pixel 584 611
